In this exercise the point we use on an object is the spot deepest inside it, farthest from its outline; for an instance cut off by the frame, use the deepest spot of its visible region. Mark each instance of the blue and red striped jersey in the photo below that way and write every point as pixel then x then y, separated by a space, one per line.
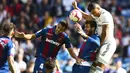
pixel 6 50
pixel 51 42
pixel 89 48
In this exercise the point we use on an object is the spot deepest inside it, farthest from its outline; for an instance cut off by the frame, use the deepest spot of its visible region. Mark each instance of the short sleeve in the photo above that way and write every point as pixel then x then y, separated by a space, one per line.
pixel 41 32
pixel 106 18
pixel 67 42
pixel 11 49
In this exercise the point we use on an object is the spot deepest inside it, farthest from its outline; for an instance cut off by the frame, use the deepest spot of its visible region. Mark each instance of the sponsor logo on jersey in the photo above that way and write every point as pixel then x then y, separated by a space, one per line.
pixel 52 42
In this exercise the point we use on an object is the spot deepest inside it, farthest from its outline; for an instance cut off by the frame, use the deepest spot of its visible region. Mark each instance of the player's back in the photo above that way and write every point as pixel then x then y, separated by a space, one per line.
pixel 4 54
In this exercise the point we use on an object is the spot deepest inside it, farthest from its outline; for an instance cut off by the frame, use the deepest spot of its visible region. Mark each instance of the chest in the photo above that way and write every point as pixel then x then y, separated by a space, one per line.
pixel 54 39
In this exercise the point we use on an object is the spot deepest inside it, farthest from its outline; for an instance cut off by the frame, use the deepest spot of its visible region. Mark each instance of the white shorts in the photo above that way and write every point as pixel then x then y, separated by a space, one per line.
pixel 106 52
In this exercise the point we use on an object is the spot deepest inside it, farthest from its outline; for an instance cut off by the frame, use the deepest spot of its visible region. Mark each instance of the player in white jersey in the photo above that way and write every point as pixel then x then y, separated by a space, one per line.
pixel 105 28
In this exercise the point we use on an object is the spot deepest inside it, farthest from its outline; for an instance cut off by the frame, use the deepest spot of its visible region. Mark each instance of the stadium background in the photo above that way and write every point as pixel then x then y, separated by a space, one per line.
pixel 30 16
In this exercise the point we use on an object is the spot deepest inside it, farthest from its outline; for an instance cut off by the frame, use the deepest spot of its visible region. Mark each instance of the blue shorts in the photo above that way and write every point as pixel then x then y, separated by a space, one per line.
pixel 80 69
pixel 39 65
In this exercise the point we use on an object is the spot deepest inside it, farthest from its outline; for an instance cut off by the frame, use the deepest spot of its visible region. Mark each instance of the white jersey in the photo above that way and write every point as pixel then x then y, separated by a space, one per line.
pixel 105 18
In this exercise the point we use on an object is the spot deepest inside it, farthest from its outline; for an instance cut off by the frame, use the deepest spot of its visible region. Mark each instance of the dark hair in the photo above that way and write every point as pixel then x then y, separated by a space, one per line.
pixel 6 27
pixel 64 24
pixel 91 6
pixel 92 24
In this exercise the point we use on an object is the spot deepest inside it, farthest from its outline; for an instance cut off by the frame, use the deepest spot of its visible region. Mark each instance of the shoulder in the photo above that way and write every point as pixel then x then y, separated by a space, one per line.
pixel 5 40
pixel 46 29
pixel 105 13
pixel 65 35
pixel 96 37
pixel 10 43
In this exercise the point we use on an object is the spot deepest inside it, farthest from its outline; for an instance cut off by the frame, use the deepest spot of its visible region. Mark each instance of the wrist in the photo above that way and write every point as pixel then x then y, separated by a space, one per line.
pixel 76 7
pixel 76 58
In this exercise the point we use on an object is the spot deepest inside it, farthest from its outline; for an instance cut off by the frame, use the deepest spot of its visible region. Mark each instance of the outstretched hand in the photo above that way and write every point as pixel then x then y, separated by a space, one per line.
pixel 74 4
pixel 19 34
pixel 80 30
pixel 78 27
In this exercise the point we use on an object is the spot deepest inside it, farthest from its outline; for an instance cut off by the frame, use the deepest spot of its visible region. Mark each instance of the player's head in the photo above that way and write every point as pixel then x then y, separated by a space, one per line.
pixel 7 29
pixel 90 27
pixel 94 9
pixel 61 27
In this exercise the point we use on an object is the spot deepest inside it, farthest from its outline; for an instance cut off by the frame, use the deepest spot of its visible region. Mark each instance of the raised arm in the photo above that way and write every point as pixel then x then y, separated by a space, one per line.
pixel 24 36
pixel 84 15
pixel 80 31
pixel 31 36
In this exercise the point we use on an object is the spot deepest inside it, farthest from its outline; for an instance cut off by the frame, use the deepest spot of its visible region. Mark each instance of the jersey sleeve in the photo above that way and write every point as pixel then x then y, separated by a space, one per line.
pixel 10 49
pixel 41 32
pixel 67 42
pixel 105 19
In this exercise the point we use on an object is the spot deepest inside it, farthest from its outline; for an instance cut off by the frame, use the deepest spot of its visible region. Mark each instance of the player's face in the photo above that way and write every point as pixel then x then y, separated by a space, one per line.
pixel 87 29
pixel 59 29
pixel 12 32
pixel 96 12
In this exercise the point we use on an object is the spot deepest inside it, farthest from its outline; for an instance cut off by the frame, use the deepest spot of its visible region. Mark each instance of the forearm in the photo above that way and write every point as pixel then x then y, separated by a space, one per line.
pixel 24 36
pixel 104 33
pixel 82 33
pixel 29 36
pixel 103 37
pixel 72 54
pixel 84 15
pixel 12 66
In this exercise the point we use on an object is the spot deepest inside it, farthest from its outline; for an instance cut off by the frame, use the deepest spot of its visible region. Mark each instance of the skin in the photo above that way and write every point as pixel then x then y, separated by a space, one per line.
pixel 59 29
pixel 11 58
pixel 89 30
pixel 96 12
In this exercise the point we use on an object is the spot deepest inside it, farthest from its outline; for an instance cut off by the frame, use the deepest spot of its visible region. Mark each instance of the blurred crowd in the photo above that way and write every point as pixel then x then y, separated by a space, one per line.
pixel 30 16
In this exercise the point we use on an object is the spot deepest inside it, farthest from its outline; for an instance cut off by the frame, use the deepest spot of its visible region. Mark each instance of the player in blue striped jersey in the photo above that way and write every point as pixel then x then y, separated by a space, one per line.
pixel 88 48
pixel 7 48
pixel 52 40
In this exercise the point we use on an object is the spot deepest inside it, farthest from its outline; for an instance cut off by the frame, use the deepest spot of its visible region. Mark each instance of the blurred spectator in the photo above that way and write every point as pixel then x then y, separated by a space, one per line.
pixel 118 32
pixel 67 4
pixel 126 52
pixel 58 9
pixel 53 23
pixel 43 7
pixel 30 67
pixel 114 8
pixel 125 39
pixel 19 59
pixel 128 26
pixel 15 8
pixel 46 19
pixel 108 69
pixel 119 68
pixel 3 13
pixel 22 28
